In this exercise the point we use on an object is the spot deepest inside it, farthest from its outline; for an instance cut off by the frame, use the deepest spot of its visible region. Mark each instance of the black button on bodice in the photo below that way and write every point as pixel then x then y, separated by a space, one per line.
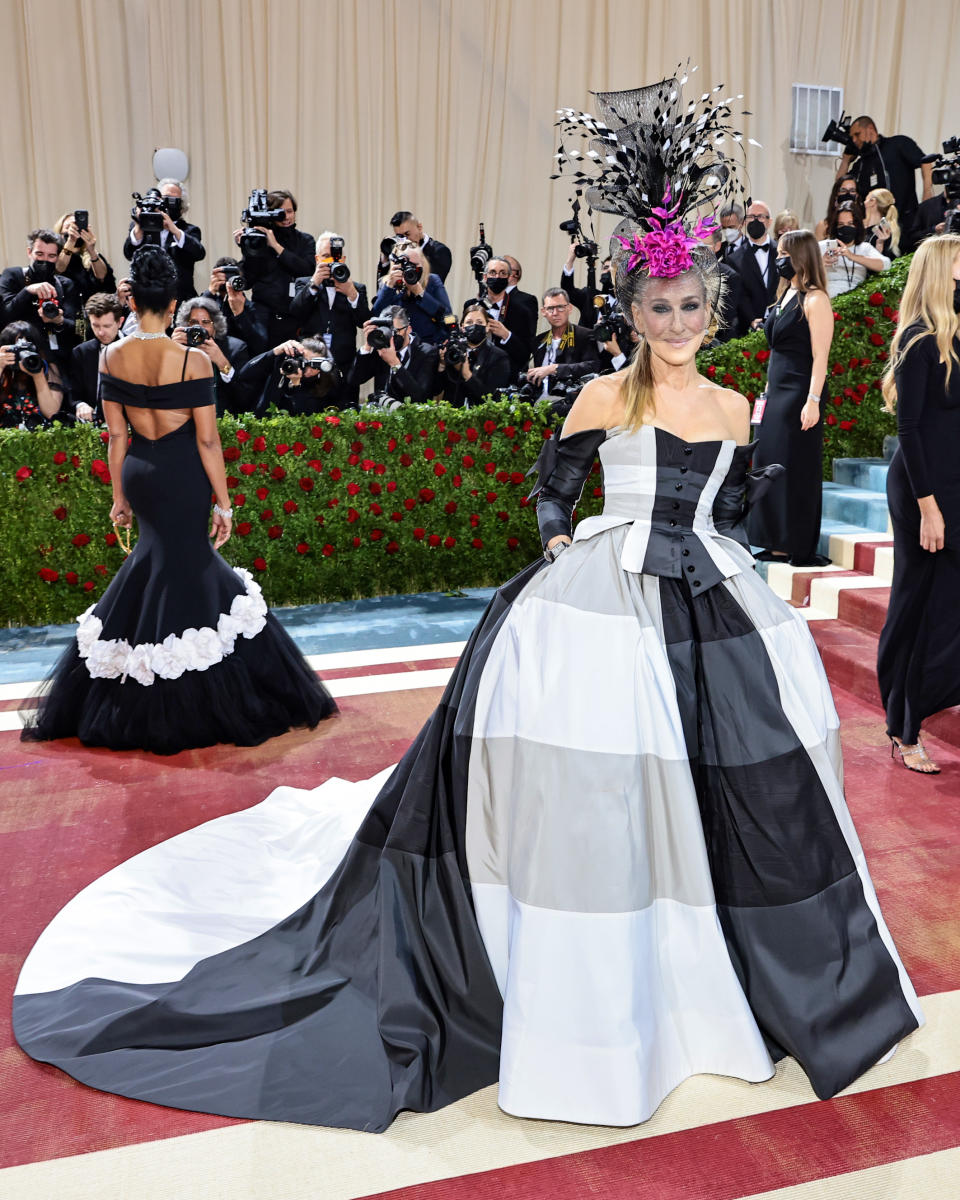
pixel 696 583
pixel 673 524
pixel 676 505
pixel 691 567
pixel 678 486
pixel 683 470
pixel 685 553
pixel 688 450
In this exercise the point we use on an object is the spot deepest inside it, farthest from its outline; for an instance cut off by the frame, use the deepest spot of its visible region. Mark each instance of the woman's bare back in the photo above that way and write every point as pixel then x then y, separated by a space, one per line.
pixel 159 363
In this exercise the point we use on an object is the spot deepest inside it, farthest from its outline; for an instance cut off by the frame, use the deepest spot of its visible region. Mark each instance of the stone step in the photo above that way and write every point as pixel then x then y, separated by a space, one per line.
pixel 867 473
pixel 864 607
pixel 855 506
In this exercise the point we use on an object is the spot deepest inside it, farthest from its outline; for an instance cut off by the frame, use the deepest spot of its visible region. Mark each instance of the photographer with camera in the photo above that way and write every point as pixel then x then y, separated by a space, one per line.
pixel 941 213
pixel 275 254
pixel 512 313
pixel 79 260
pixel 585 299
pixel 296 377
pixel 244 319
pixel 470 365
pixel 565 352
pixel 105 315
pixel 31 388
pixel 37 294
pixel 330 304
pixel 401 366
pixel 876 161
pixel 847 255
pixel 421 295
pixel 158 217
pixel 201 324
pixel 756 264
pixel 406 228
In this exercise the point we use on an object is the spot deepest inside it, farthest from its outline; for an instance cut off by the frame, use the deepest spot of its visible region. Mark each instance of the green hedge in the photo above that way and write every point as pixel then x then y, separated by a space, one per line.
pixel 421 498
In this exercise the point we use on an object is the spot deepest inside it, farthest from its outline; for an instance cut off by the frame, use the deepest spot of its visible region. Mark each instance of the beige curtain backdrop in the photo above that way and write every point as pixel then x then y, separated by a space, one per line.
pixel 445 107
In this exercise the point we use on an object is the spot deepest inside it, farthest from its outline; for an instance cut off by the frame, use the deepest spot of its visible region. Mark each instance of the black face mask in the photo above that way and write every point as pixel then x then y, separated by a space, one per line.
pixel 785 268
pixel 956 295
pixel 756 228
pixel 42 272
pixel 398 342
pixel 476 335
pixel 846 234
pixel 496 284
pixel 174 206
pixel 606 284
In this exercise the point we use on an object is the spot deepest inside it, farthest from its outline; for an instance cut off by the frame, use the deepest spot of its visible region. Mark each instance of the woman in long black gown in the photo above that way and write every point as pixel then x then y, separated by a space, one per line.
pixel 918 664
pixel 181 650
pixel 799 330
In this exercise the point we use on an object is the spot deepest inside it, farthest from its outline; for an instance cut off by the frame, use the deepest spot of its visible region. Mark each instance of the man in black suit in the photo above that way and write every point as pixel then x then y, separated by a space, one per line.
pixel 330 310
pixel 731 230
pixel 274 267
pixel 756 264
pixel 565 351
pixel 730 289
pixel 513 319
pixel 36 293
pixel 105 315
pixel 406 369
pixel 244 320
pixel 406 227
pixel 227 354
pixel 183 242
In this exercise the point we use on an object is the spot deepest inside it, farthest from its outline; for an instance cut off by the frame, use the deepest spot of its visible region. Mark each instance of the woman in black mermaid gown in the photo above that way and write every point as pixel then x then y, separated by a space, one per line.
pixel 918 663
pixel 181 650
pixel 799 330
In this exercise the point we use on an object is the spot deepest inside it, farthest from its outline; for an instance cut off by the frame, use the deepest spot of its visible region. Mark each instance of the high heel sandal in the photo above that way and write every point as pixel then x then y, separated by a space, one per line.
pixel 919 751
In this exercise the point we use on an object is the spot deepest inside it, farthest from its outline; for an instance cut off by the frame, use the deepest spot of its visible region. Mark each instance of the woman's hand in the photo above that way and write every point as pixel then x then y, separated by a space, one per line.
pixel 220 529
pixel 931 528
pixel 121 513
pixel 809 414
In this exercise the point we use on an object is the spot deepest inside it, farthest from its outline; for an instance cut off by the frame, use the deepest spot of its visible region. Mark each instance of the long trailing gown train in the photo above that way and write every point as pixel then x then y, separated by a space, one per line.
pixel 617 855
pixel 181 650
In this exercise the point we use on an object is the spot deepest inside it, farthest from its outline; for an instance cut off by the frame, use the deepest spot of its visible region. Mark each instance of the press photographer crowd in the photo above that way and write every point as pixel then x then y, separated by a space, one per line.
pixel 286 324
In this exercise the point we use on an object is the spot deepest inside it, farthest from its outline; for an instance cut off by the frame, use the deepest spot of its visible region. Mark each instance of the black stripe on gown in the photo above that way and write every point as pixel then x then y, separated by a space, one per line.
pixel 375 997
pixel 822 985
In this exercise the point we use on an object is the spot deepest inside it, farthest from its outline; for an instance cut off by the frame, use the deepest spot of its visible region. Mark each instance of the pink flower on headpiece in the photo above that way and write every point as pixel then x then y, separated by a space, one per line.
pixel 665 249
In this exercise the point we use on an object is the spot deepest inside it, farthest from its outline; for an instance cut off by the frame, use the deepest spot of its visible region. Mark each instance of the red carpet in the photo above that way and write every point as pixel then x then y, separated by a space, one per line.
pixel 68 814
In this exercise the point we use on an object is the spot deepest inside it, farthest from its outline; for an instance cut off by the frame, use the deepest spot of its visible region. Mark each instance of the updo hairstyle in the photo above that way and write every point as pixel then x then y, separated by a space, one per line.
pixel 153 279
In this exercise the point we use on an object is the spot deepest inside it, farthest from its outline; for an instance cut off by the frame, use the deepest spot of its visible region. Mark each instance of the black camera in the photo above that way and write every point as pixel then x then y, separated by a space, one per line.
pixel 584 247
pixel 563 394
pixel 610 323
pixel 381 336
pixel 946 169
pixel 258 212
pixel 839 131
pixel 463 339
pixel 480 254
pixel 196 335
pixel 293 364
pixel 410 272
pixel 233 276
pixel 81 218
pixel 26 356
pixel 339 271
pixel 148 211
pixel 49 309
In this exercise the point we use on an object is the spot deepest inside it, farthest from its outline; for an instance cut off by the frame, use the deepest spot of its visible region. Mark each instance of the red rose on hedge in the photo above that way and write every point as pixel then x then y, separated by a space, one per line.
pixel 429 453
pixel 877 339
pixel 513 543
pixel 376 488
pixel 278 473
pixel 263 493
pixel 392 547
pixel 356 543
pixel 352 515
pixel 275 531
pixel 426 495
pixel 260 564
pixel 336 474
pixel 376 509
pixel 247 468
pixel 48 575
pixel 231 454
pixel 434 539
pixel 477 544
pixel 239 500
pixel 302 548
pixel 439 469
pixel 352 489
pixel 491 496
pixel 376 535
pixel 59 457
pixel 298 448
pixel 259 443
pixel 267 514
pixel 409 505
pixel 831 419
pixel 24 473
pixel 242 435
pixel 877 299
pixel 72 578
pixel 468 460
pixel 290 506
pixel 110 539
pixel 282 448
pixel 61 513
pixel 88 586
pixel 449 543
pixel 244 528
pixel 450 506
pixel 81 539
pixel 327 550
pixel 418 534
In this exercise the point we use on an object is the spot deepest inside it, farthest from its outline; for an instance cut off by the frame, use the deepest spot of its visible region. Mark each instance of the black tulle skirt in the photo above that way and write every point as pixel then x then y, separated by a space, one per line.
pixel 180 651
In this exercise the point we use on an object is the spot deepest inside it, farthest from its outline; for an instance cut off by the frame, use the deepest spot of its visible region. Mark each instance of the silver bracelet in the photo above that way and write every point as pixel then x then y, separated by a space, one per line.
pixel 223 512
pixel 813 396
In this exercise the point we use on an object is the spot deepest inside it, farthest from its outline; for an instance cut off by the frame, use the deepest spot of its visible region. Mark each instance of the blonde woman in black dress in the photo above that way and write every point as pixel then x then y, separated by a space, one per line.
pixel 918 664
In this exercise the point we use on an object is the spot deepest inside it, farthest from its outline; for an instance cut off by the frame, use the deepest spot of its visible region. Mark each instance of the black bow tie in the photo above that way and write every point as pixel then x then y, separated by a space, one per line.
pixel 758 246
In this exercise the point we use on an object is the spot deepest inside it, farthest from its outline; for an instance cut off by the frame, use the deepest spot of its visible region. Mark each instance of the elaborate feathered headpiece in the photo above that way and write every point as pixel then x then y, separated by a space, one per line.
pixel 658 163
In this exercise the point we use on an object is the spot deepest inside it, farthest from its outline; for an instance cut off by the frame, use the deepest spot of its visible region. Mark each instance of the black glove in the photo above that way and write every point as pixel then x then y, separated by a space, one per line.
pixel 563 467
